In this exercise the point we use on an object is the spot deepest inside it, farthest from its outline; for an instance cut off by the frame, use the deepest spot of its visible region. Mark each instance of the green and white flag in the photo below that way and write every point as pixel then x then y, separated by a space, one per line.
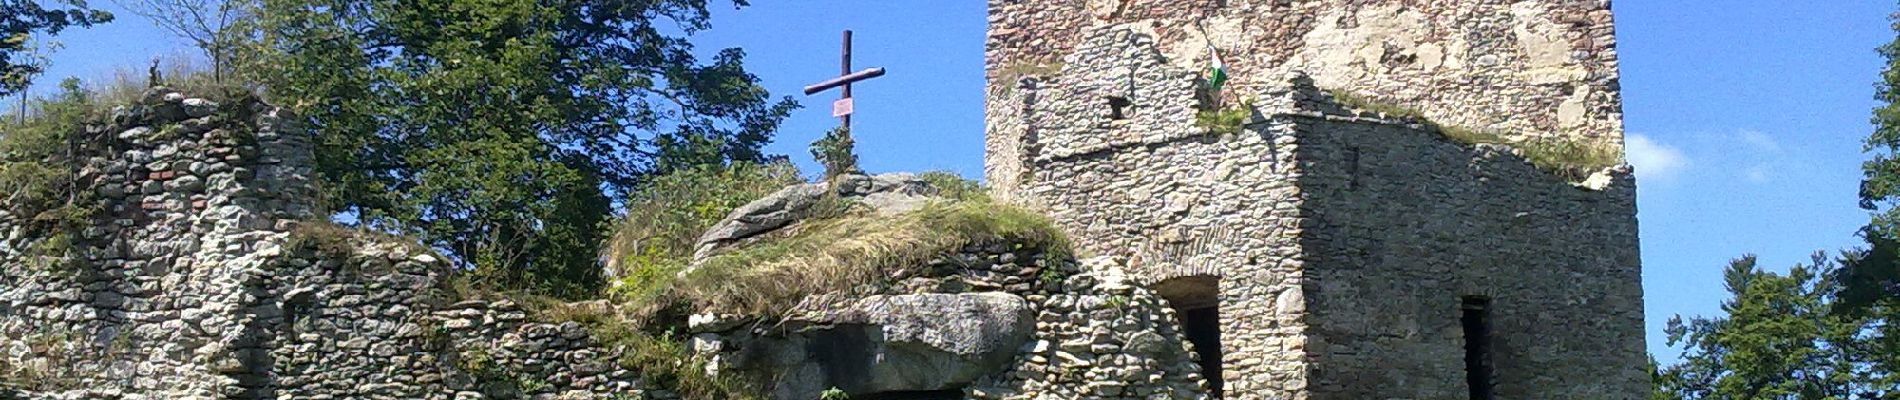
pixel 1216 73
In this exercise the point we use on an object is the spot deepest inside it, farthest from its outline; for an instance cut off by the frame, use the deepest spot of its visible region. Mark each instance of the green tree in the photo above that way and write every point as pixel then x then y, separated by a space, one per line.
pixel 1870 278
pixel 20 20
pixel 1779 340
pixel 498 130
pixel 1867 288
pixel 1880 186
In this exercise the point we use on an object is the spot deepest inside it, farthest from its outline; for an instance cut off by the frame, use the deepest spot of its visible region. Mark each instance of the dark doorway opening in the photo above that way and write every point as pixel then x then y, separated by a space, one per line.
pixel 1202 328
pixel 1477 326
pixel 1196 301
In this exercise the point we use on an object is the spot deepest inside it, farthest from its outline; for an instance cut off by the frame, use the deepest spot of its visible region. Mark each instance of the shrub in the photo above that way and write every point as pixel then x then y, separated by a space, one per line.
pixel 1224 121
pixel 40 159
pixel 667 215
pixel 834 393
pixel 953 186
pixel 837 152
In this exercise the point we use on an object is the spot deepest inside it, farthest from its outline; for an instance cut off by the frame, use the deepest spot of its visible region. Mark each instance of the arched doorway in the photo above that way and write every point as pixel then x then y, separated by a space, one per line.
pixel 1196 301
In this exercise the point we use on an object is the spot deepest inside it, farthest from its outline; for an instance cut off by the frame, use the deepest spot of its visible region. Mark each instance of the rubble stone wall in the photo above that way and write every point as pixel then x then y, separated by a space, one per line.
pixel 187 287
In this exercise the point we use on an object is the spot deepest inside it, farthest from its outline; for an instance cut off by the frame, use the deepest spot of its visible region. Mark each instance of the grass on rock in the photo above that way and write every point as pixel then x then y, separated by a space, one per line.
pixel 844 254
pixel 839 250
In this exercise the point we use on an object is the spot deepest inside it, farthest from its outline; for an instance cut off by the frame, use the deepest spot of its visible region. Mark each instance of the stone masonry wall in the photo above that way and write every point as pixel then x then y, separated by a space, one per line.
pixel 1175 201
pixel 1531 67
pixel 1404 224
pixel 189 193
pixel 1342 243
pixel 190 287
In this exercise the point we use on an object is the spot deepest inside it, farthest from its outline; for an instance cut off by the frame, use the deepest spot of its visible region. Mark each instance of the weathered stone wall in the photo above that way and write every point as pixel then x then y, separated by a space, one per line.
pixel 1174 200
pixel 1100 335
pixel 378 322
pixel 189 288
pixel 189 193
pixel 1526 69
pixel 1406 223
pixel 1342 244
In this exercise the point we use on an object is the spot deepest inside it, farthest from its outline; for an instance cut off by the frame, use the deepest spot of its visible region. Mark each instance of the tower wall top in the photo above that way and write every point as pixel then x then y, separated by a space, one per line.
pixel 1526 69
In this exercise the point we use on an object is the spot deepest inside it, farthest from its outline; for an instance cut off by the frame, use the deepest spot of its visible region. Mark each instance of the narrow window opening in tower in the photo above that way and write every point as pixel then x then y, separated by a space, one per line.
pixel 1477 326
pixel 1196 303
pixel 1118 107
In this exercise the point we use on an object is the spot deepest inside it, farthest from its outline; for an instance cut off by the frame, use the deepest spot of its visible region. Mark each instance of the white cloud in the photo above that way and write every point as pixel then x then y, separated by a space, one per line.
pixel 1760 141
pixel 1757 174
pixel 1653 160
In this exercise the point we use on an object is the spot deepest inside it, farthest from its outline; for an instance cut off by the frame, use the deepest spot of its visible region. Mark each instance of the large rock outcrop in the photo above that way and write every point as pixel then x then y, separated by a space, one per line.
pixel 991 321
pixel 885 193
pixel 892 343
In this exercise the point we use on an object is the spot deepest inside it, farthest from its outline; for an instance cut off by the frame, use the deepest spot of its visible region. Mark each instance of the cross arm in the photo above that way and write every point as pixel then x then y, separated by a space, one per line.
pixel 844 80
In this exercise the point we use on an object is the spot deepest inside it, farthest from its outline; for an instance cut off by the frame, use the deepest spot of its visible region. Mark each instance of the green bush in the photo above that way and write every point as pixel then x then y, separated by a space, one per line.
pixel 837 152
pixel 1224 121
pixel 666 216
pixel 834 393
pixel 953 186
pixel 40 159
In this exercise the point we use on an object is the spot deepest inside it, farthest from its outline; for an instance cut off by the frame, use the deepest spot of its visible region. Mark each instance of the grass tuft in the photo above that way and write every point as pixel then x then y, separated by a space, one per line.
pixel 953 186
pixel 1224 121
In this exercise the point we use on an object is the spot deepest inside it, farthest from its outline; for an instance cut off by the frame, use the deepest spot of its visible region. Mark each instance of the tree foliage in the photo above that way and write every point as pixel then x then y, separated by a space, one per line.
pixel 1780 339
pixel 499 130
pixel 20 20
pixel 1880 187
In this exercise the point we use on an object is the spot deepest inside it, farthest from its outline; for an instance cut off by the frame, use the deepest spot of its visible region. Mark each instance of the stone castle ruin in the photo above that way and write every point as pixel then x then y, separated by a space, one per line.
pixel 1318 251
pixel 1273 239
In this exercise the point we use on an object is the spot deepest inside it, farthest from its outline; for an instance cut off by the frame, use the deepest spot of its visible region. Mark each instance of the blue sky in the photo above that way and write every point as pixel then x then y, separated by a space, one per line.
pixel 1744 116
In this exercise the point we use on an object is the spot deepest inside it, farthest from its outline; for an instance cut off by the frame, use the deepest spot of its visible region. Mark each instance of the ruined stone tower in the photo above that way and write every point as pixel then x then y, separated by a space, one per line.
pixel 1313 250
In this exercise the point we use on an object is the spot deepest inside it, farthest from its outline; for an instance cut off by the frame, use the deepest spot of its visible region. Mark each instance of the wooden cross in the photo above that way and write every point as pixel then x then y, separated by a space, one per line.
pixel 843 107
